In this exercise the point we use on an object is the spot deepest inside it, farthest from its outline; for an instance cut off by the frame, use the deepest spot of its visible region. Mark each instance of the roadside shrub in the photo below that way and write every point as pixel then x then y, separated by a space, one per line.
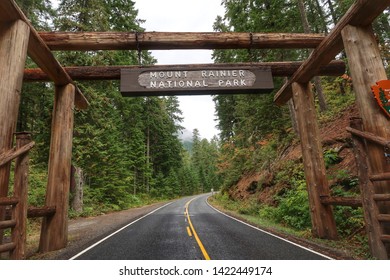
pixel 293 208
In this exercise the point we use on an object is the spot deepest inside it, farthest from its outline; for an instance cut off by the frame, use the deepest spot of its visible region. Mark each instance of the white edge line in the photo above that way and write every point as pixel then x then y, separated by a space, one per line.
pixel 288 241
pixel 105 238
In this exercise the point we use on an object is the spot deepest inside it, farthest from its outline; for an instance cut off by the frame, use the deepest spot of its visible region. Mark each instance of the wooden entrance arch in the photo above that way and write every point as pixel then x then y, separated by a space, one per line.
pixel 353 33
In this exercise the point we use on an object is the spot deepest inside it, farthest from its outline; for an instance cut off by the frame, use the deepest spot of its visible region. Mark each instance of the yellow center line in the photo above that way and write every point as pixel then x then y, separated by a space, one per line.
pixel 189 232
pixel 200 244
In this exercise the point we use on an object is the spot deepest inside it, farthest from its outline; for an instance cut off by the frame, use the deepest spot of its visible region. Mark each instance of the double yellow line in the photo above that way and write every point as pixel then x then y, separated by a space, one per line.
pixel 192 229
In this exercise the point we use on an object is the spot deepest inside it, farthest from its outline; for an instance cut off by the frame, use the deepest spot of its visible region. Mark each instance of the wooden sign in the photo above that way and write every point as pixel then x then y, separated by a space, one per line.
pixel 193 81
pixel 381 93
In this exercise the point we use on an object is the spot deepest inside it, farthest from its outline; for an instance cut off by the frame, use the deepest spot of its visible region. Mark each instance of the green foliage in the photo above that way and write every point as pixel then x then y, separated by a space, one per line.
pixel 293 208
pixel 346 181
pixel 204 160
pixel 36 185
pixel 331 157
pixel 348 220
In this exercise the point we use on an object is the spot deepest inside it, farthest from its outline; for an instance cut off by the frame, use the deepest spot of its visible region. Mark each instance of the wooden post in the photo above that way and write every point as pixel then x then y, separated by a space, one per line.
pixel 14 39
pixel 54 233
pixel 367 68
pixel 370 209
pixel 323 223
pixel 19 212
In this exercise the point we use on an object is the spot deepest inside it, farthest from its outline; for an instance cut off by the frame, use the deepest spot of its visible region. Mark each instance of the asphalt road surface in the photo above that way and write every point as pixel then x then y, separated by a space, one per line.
pixel 189 229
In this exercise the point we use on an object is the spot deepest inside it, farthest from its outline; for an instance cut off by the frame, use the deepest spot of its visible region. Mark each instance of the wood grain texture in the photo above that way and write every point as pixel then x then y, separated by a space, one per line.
pixel 19 211
pixel 367 68
pixel 86 41
pixel 54 233
pixel 370 208
pixel 13 53
pixel 323 223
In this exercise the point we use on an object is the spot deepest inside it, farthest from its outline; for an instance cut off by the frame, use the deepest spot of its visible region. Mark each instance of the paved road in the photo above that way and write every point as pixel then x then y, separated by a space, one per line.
pixel 188 229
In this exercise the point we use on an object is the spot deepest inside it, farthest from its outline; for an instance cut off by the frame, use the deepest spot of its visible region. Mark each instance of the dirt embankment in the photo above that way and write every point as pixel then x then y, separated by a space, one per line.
pixel 333 136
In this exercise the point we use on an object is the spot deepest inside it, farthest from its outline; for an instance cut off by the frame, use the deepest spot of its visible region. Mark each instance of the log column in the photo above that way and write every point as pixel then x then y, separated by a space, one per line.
pixel 19 212
pixel 367 68
pixel 54 233
pixel 14 39
pixel 323 223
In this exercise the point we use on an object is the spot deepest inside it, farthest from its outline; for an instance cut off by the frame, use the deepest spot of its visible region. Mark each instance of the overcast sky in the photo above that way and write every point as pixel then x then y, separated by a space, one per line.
pixel 182 16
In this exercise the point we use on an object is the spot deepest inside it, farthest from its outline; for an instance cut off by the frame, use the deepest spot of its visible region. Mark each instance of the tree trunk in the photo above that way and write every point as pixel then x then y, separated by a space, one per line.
pixel 78 191
pixel 317 80
pixel 321 13
pixel 148 157
pixel 332 11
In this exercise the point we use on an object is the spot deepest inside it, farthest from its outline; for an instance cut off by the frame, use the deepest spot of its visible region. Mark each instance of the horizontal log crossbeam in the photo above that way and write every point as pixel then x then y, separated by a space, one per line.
pixel 36 212
pixel 385 238
pixel 89 41
pixel 6 201
pixel 361 13
pixel 380 177
pixel 369 136
pixel 384 218
pixel 279 69
pixel 342 201
pixel 7 247
pixel 7 224
pixel 382 197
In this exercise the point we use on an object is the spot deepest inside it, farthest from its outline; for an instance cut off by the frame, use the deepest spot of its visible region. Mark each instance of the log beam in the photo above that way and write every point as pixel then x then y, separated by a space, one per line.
pixel 90 41
pixel 7 247
pixel 6 201
pixel 361 13
pixel 342 201
pixel 279 69
pixel 39 51
pixel 36 212
pixel 54 232
pixel 323 223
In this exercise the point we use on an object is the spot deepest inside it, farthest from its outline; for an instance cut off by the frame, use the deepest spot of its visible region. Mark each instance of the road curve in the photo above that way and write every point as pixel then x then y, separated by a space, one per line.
pixel 188 229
